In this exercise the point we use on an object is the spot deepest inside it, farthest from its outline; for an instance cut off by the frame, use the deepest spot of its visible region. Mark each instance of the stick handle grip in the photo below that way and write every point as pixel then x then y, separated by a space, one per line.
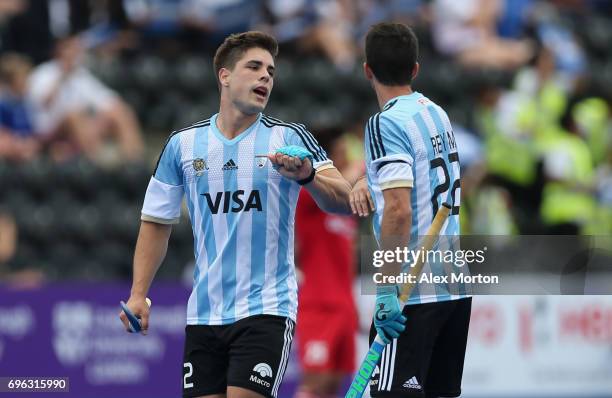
pixel 428 241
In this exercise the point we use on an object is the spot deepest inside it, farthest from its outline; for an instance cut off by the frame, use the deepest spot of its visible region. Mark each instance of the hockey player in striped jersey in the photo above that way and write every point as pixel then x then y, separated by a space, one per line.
pixel 241 182
pixel 412 168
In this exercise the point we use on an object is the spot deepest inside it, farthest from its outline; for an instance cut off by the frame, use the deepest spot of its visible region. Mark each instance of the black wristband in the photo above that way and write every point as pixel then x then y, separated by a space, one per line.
pixel 309 178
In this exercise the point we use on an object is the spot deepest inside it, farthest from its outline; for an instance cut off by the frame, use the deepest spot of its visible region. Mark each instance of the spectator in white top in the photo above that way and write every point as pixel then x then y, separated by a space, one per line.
pixel 467 31
pixel 63 87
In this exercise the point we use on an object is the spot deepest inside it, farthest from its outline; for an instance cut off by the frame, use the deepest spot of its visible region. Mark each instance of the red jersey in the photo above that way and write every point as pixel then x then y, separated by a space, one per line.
pixel 325 255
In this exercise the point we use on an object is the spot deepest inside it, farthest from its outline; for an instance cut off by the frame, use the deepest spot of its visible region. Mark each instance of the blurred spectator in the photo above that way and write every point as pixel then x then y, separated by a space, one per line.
pixel 102 24
pixel 370 12
pixel 511 162
pixel 8 8
pixel 27 276
pixel 353 139
pixel 467 31
pixel 333 32
pixel 8 237
pixel 486 206
pixel 342 153
pixel 67 17
pixel 31 26
pixel 63 90
pixel 539 98
pixel 514 17
pixel 287 21
pixel 85 14
pixel 21 138
pixel 157 23
pixel 212 20
pixel 154 16
pixel 490 212
pixel 318 25
pixel 473 172
pixel 27 30
pixel 553 33
pixel 568 202
pixel 18 141
pixel 594 120
pixel 603 217
pixel 518 127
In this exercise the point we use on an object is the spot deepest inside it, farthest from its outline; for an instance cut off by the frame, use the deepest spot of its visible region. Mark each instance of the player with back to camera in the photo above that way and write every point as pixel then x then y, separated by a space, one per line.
pixel 241 312
pixel 412 168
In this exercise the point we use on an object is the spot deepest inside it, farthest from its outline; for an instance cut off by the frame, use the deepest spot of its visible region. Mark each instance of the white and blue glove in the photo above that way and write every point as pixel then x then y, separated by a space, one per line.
pixel 388 319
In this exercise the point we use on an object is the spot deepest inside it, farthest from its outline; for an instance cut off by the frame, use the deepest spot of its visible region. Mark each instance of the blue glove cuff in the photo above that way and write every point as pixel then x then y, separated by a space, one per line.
pixel 295 151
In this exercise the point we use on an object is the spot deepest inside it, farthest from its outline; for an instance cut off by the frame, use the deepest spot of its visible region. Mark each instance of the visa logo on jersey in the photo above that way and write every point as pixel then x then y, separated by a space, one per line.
pixel 234 202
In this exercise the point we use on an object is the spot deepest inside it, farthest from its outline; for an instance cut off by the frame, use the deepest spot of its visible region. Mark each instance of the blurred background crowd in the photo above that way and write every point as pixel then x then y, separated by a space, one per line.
pixel 91 89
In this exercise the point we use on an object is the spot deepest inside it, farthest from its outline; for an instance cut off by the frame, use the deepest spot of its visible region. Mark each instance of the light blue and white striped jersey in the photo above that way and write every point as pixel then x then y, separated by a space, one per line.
pixel 411 144
pixel 242 214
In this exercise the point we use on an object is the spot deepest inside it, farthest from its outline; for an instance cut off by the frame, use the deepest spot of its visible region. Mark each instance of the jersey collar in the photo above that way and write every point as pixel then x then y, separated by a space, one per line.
pixel 236 139
pixel 413 96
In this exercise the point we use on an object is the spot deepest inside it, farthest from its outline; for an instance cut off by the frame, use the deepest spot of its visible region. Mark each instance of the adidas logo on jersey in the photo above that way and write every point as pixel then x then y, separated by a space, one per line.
pixel 412 383
pixel 230 165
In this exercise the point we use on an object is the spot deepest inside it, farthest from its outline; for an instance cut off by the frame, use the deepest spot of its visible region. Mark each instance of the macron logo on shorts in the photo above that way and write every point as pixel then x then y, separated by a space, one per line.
pixel 263 369
pixel 412 383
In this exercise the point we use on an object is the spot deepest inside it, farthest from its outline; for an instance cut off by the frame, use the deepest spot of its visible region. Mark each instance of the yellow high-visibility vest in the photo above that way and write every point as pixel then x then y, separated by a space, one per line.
pixel 592 117
pixel 506 156
pixel 562 201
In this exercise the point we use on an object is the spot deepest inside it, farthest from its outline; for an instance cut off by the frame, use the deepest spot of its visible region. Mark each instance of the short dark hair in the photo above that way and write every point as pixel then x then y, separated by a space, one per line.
pixel 235 45
pixel 391 52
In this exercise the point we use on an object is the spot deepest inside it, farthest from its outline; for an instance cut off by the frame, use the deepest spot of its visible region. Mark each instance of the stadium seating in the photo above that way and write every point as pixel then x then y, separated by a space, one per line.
pixel 171 94
pixel 77 221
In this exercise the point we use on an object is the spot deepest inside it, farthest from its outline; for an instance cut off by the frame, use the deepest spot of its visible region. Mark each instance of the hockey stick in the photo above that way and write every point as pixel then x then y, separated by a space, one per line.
pixel 372 358
pixel 133 320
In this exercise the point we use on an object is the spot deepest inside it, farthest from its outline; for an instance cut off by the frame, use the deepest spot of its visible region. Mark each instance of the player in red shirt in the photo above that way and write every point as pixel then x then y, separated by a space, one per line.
pixel 327 316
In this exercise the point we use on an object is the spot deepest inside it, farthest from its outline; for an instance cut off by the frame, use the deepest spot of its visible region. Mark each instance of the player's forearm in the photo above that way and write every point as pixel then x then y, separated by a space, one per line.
pixel 331 192
pixel 395 232
pixel 150 251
